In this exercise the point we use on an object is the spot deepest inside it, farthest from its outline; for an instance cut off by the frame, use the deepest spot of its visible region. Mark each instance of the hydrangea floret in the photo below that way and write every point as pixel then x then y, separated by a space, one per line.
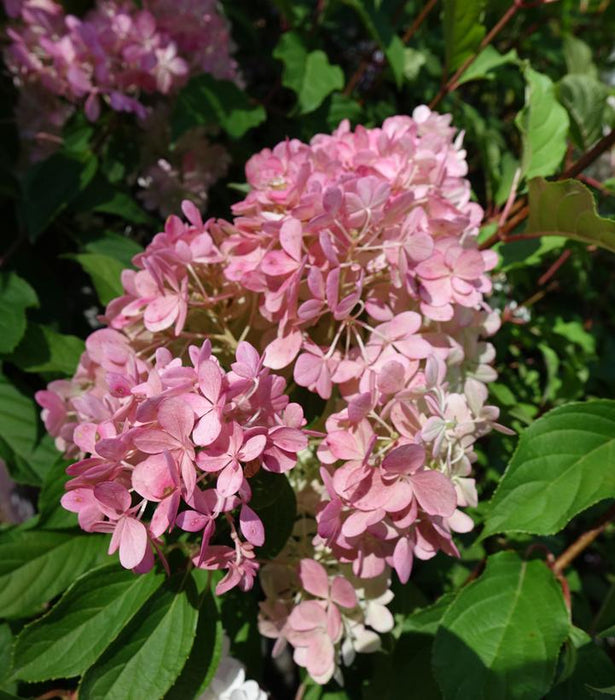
pixel 351 270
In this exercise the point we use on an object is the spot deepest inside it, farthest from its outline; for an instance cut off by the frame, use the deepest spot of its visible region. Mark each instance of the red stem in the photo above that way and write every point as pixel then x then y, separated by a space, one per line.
pixel 489 37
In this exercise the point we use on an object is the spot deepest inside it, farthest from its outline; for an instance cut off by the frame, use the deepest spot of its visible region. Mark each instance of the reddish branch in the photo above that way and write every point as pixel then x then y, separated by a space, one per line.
pixel 522 209
pixel 488 38
pixel 411 31
pixel 588 158
pixel 583 542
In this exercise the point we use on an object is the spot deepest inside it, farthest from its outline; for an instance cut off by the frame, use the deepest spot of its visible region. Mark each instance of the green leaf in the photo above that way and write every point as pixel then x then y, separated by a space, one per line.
pixel 343 107
pixel 374 16
pixel 604 622
pixel 274 500
pixel 38 463
pixel 6 644
pixel 501 636
pixel 19 431
pixel 601 692
pixel 149 654
pixel 463 30
pixel 35 566
pixel 52 516
pixel 414 60
pixel 18 419
pixel 16 295
pixel 44 350
pixel 526 253
pixel 51 185
pixel 426 620
pixel 592 667
pixel 105 273
pixel 113 245
pixel 308 74
pixel 567 208
pixel 585 99
pixel 487 61
pixel 564 463
pixel 543 124
pixel 86 620
pixel 579 57
pixel 205 656
pixel 101 196
pixel 206 101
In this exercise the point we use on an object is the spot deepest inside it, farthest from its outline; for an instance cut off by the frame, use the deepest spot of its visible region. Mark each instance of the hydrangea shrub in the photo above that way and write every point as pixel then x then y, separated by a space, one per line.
pixel 275 466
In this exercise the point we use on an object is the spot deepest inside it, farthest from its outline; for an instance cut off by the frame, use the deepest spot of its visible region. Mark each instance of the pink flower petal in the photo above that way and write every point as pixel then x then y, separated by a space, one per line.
pixel 435 493
pixel 207 429
pixel 133 542
pixel 283 350
pixel 403 558
pixel 314 578
pixel 251 526
pixel 342 592
pixel 291 236
pixel 405 459
pixel 229 480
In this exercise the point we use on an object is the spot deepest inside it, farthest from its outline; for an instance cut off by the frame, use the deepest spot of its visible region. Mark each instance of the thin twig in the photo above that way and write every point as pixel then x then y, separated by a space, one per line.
pixel 523 210
pixel 411 31
pixel 554 268
pixel 588 158
pixel 489 37
pixel 583 542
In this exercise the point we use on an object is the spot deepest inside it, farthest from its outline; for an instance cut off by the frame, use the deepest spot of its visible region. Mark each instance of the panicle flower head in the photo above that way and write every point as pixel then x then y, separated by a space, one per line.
pixel 353 267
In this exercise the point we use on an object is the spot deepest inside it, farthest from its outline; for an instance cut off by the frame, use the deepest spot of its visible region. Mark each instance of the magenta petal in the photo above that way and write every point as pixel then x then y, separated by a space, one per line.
pixel 207 429
pixel 283 350
pixel 291 236
pixel 342 592
pixel 176 417
pixel 133 542
pixel 112 495
pixel 212 463
pixel 470 264
pixel 405 459
pixel 414 347
pixel 188 472
pixel 154 441
pixel 277 263
pixel 314 578
pixel 191 521
pixel 151 477
pixel 403 558
pixel 308 615
pixel 252 448
pixel 308 368
pixel 210 380
pixel 164 515
pixel 229 480
pixel 290 439
pixel 435 493
pixel 358 522
pixel 161 313
pixel 251 526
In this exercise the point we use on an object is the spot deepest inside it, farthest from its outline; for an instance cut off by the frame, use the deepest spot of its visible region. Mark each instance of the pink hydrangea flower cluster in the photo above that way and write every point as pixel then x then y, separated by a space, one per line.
pixel 353 266
pixel 133 58
pixel 117 51
pixel 179 441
